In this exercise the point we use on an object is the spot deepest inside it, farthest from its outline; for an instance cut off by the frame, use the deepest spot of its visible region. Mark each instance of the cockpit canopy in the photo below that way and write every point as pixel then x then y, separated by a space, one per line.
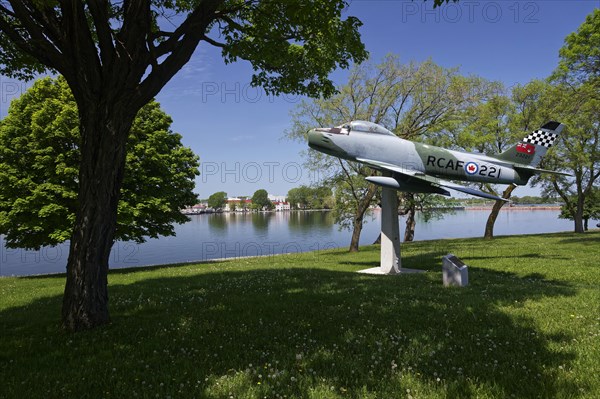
pixel 365 127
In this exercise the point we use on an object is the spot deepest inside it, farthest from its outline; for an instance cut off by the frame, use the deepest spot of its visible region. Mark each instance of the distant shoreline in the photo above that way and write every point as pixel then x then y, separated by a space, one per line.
pixel 450 208
pixel 515 208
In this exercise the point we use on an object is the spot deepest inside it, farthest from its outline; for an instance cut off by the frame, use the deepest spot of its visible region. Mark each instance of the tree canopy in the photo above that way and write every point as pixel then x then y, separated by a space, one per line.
pixel 39 165
pixel 414 100
pixel 591 208
pixel 291 44
pixel 305 197
pixel 573 99
pixel 117 55
pixel 260 200
pixel 217 200
pixel 580 55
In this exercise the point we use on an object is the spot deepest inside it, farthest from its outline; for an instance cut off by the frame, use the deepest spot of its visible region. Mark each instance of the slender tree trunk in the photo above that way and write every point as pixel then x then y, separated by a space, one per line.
pixel 363 206
pixel 409 232
pixel 491 221
pixel 410 209
pixel 103 139
pixel 356 230
pixel 579 214
pixel 585 224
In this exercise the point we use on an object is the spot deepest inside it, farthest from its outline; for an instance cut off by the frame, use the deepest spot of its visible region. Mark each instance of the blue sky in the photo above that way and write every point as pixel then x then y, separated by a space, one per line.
pixel 238 131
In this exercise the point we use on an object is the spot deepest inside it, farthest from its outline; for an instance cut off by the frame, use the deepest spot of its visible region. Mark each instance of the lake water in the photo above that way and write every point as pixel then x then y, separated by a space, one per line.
pixel 233 235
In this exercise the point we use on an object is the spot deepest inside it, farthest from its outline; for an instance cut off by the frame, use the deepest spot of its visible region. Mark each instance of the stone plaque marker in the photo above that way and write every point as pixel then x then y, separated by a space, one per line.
pixel 455 272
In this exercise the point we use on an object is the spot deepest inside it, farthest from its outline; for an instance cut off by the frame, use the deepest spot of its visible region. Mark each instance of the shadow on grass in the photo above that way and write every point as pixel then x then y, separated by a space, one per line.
pixel 523 256
pixel 589 238
pixel 363 264
pixel 294 332
pixel 429 261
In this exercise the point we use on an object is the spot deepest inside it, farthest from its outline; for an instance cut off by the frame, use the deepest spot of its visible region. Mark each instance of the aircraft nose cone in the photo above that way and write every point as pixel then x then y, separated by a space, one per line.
pixel 314 137
pixel 323 140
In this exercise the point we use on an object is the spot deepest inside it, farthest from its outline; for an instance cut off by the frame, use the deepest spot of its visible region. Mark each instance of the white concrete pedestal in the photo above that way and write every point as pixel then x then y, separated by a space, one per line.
pixel 390 233
pixel 391 263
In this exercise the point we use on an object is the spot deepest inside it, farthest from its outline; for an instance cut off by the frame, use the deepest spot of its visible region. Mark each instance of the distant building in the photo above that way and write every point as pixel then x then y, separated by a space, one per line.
pixel 277 198
pixel 237 203
pixel 282 206
pixel 195 209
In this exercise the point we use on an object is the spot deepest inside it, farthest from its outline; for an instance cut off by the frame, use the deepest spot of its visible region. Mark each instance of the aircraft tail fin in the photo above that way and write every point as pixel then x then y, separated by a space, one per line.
pixel 533 147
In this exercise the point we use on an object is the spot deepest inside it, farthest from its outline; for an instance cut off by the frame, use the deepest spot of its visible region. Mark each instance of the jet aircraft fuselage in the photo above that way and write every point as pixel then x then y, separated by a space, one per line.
pixel 418 167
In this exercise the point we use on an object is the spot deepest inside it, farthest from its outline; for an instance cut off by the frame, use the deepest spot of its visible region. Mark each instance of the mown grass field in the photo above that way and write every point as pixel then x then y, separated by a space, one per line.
pixel 308 326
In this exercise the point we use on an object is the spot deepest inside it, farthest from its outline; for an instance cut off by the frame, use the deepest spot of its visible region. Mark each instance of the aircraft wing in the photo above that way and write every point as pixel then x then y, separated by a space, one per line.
pixel 532 170
pixel 463 189
pixel 388 166
pixel 419 180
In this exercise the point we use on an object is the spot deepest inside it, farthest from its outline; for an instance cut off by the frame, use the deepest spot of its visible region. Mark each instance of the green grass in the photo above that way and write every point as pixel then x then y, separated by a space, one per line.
pixel 307 326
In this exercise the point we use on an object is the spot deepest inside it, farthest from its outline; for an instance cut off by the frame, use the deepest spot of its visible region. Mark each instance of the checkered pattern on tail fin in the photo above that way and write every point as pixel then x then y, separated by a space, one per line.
pixel 541 137
pixel 534 146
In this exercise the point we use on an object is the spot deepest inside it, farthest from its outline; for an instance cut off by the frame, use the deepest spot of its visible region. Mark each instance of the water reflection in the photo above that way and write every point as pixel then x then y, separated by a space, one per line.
pixel 260 221
pixel 242 234
pixel 303 221
pixel 217 223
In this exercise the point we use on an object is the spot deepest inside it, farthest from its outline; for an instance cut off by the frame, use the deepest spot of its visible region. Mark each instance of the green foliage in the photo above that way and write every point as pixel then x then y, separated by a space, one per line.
pixel 591 207
pixel 580 55
pixel 261 201
pixel 299 197
pixel 292 45
pixel 217 200
pixel 487 127
pixel 574 100
pixel 431 207
pixel 529 109
pixel 305 197
pixel 39 167
pixel 578 152
pixel 353 195
pixel 499 119
pixel 296 65
pixel 531 200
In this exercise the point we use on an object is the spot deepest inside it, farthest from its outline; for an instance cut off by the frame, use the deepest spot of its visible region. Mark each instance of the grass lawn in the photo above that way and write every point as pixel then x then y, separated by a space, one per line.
pixel 308 326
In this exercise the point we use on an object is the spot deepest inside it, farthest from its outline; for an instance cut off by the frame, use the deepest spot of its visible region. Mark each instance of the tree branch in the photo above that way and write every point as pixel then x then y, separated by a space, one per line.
pixel 80 49
pixel 213 42
pixel 191 31
pixel 37 44
pixel 99 12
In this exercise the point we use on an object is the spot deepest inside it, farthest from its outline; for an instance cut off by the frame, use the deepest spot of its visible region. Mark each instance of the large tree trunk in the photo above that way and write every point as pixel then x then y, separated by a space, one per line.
pixel 363 206
pixel 579 228
pixel 491 221
pixel 103 138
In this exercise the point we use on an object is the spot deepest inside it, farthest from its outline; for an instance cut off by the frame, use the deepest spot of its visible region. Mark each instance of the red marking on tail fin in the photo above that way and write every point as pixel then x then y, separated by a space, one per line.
pixel 526 148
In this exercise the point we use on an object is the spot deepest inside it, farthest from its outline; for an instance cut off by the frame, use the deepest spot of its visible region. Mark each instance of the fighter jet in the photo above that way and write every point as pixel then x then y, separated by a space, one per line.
pixel 421 168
